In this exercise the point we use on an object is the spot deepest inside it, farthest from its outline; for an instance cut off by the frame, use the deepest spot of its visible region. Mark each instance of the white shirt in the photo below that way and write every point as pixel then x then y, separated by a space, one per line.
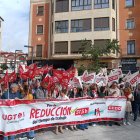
pixel 63 98
pixel 116 92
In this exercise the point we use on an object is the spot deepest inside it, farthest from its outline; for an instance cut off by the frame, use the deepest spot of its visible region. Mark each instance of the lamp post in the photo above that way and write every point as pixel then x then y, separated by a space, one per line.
pixel 15 56
pixel 32 50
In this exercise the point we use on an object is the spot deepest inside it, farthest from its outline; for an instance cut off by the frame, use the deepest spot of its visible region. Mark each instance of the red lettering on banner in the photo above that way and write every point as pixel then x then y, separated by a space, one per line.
pixel 39 113
pixel 13 116
pixel 58 109
pixel 114 108
pixel 134 80
pixel 42 113
pixel 112 78
pixel 81 111
pixel 52 112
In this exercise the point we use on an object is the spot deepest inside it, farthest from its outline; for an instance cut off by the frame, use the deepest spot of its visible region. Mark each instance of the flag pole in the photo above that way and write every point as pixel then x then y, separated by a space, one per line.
pixel 8 89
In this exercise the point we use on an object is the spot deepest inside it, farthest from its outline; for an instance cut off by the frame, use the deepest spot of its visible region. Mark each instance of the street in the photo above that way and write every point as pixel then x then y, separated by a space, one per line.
pixel 100 132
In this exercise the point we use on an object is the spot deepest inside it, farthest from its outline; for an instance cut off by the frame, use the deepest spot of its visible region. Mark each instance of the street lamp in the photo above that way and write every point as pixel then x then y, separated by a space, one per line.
pixel 32 50
pixel 15 56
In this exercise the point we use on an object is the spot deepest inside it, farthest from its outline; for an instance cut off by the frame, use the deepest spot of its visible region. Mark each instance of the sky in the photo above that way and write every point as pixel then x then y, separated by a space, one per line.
pixel 16 24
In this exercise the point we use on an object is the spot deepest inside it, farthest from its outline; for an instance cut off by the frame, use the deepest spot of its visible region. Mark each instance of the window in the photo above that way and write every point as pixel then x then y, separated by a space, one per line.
pixel 101 4
pixel 113 4
pixel 61 47
pixel 40 10
pixel 130 24
pixel 129 3
pixel 113 24
pixel 131 47
pixel 78 5
pixel 62 6
pixel 100 42
pixel 39 29
pixel 81 25
pixel 39 51
pixel 76 46
pixel 61 26
pixel 101 24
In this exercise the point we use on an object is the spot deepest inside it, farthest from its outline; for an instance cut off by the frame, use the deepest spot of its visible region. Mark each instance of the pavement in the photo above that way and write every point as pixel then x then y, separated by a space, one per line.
pixel 99 132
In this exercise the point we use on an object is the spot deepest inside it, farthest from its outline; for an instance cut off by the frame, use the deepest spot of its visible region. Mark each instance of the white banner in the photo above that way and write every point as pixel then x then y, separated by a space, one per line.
pixel 18 116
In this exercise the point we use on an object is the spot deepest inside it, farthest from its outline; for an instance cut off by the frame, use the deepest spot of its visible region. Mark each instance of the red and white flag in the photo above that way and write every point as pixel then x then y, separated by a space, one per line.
pixel 127 76
pixel 76 82
pixel 88 78
pixel 12 77
pixel 32 66
pixel 101 80
pixel 133 78
pixel 114 77
pixel 118 71
pixel 72 72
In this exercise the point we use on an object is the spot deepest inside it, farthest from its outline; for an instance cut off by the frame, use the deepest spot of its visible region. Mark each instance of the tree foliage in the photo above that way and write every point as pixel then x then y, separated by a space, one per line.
pixel 94 52
pixel 4 67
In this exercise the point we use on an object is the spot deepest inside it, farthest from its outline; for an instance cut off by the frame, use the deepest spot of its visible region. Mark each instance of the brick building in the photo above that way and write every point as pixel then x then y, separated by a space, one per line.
pixel 129 34
pixel 58 26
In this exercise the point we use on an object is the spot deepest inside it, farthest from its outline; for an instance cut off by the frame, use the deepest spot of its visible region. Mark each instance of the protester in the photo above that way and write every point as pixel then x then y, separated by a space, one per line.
pixel 62 96
pixel 38 91
pixel 136 101
pixel 27 96
pixel 101 94
pixel 93 94
pixel 13 94
pixel 30 89
pixel 128 94
pixel 75 93
pixel 114 91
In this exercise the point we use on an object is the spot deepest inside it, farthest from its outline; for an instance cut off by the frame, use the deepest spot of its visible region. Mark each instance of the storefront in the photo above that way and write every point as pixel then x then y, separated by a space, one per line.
pixel 129 64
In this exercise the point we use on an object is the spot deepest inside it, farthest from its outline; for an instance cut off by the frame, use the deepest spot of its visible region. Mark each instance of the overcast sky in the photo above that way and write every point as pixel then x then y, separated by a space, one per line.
pixel 16 24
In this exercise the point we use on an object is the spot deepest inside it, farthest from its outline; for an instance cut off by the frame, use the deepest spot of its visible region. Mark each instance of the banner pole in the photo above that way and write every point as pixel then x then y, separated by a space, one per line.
pixel 8 89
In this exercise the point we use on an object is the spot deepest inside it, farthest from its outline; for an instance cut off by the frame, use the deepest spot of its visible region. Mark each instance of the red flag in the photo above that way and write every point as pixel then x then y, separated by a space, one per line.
pixel 21 70
pixel 71 72
pixel 30 74
pixel 31 67
pixel 49 81
pixel 24 76
pixel 58 74
pixel 12 77
pixel 39 71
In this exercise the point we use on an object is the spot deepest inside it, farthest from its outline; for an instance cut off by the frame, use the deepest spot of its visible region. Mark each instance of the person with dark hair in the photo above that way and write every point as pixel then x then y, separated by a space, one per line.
pixel 38 91
pixel 136 101
pixel 114 91
pixel 62 96
pixel 128 94
pixel 102 92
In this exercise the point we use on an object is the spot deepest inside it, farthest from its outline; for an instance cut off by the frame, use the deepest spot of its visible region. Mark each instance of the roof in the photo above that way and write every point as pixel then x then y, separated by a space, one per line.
pixel 1 18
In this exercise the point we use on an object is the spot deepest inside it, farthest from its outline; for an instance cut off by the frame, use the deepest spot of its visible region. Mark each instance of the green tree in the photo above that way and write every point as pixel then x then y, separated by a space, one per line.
pixel 94 52
pixel 4 67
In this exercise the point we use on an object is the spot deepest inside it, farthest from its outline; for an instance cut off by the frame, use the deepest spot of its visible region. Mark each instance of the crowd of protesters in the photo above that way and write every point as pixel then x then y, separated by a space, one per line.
pixel 30 90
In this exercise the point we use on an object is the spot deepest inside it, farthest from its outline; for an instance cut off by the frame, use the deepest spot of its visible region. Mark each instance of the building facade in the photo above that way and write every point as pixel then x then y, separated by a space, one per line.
pixel 1 20
pixel 129 34
pixel 57 28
